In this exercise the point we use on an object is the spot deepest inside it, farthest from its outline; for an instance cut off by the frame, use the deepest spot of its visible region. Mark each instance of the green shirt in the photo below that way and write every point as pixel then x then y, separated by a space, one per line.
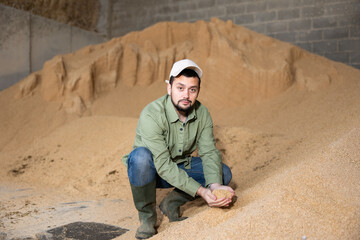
pixel 172 142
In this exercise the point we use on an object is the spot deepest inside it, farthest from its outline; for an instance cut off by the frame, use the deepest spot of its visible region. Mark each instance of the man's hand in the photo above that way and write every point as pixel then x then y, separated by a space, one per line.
pixel 211 199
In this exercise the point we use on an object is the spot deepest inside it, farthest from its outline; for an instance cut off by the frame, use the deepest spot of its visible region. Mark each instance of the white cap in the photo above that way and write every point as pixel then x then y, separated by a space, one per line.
pixel 184 64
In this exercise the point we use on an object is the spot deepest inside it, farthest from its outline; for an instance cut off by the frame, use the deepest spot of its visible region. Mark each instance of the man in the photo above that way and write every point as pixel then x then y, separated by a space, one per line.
pixel 169 130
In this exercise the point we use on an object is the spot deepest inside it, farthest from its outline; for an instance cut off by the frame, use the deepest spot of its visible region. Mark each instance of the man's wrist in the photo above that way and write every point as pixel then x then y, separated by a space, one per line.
pixel 200 191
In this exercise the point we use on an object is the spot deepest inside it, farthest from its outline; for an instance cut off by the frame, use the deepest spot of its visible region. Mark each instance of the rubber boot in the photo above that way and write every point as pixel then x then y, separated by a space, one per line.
pixel 145 202
pixel 170 205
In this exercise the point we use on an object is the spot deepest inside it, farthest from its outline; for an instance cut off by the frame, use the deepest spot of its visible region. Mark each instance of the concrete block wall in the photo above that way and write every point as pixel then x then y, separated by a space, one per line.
pixel 14 46
pixel 28 41
pixel 330 28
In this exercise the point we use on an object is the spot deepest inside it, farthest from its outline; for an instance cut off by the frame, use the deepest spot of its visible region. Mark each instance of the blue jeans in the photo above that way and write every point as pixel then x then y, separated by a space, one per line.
pixel 141 170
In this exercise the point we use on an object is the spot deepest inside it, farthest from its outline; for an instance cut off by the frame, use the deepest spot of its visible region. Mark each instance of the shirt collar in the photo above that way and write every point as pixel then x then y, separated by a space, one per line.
pixel 172 114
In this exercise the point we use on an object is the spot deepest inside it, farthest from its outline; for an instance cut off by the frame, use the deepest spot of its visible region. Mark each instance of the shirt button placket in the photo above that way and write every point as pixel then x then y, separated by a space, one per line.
pixel 181 135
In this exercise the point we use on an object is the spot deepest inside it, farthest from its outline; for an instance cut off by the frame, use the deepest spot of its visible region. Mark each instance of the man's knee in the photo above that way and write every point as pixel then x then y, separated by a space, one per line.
pixel 227 175
pixel 140 156
pixel 141 169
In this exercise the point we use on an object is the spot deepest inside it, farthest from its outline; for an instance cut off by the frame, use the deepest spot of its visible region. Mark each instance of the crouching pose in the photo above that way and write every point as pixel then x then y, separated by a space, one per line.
pixel 169 130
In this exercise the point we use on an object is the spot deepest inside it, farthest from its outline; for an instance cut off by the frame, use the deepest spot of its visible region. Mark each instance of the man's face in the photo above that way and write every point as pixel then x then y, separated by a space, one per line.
pixel 183 92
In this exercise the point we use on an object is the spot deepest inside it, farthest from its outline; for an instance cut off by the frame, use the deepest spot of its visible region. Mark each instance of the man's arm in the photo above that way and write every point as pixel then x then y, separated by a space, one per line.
pixel 212 167
pixel 210 156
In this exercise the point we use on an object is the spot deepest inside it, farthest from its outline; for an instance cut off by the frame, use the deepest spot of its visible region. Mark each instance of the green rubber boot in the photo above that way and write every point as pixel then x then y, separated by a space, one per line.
pixel 170 205
pixel 145 202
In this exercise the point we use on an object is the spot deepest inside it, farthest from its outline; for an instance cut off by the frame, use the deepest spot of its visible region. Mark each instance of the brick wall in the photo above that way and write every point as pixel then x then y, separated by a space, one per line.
pixel 330 28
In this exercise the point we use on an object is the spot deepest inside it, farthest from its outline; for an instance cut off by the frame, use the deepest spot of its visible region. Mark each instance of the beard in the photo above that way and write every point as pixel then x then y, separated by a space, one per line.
pixel 185 110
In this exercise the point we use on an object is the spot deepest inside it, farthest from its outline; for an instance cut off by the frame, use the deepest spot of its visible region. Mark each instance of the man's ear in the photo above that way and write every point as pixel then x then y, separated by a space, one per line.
pixel 169 88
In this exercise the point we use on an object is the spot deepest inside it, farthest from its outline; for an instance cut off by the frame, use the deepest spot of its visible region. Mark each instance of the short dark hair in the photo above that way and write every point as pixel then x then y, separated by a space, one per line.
pixel 187 73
